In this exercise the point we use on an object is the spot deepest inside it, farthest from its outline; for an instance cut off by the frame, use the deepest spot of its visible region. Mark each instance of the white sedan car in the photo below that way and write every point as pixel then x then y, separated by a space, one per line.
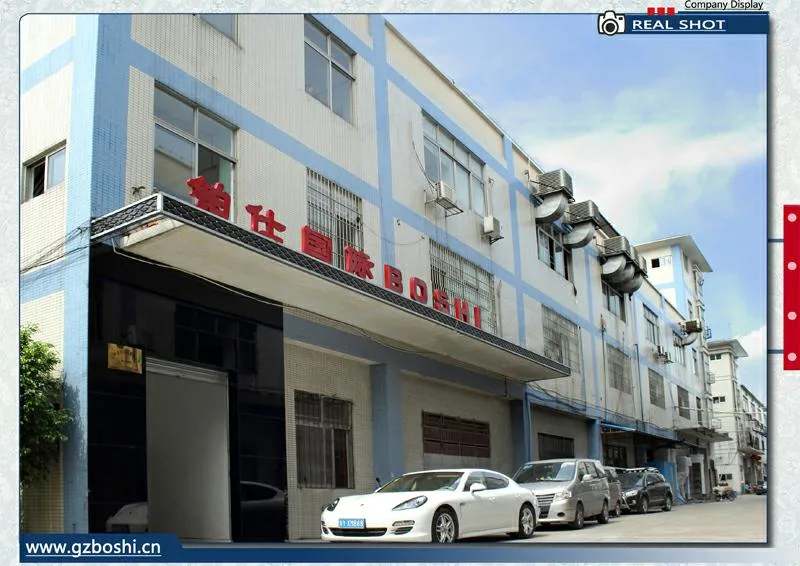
pixel 439 506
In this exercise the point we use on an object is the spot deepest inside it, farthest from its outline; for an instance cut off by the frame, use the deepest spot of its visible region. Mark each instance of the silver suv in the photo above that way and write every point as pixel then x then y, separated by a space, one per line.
pixel 567 490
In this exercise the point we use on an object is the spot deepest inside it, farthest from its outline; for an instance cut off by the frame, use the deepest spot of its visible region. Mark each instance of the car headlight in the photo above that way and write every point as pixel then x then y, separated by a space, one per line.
pixel 631 493
pixel 412 503
pixel 565 494
pixel 331 506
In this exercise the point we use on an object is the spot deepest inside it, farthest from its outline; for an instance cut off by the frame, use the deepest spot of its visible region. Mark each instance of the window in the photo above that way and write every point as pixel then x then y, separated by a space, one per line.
pixel 690 309
pixel 619 369
pixel 475 477
pixel 551 447
pixel 662 261
pixel 699 405
pixel 613 301
pixel 329 69
pixel 214 339
pixel 493 481
pixel 224 23
pixel 720 399
pixel 189 143
pixel 562 339
pixel 695 365
pixel 335 212
pixel 324 437
pixel 454 436
pixel 683 404
pixel 448 160
pixel 45 173
pixel 715 357
pixel 464 280
pixel 651 327
pixel 553 253
pixel 656 389
pixel 615 456
pixel 678 353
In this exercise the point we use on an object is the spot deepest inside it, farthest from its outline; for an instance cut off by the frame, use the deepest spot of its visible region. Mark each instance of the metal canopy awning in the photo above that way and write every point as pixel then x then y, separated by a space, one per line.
pixel 704 434
pixel 174 233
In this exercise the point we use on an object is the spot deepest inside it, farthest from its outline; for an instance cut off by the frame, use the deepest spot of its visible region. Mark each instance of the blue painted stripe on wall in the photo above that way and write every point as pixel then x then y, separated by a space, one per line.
pixel 46 66
pixel 382 113
pixel 80 144
pixel 42 282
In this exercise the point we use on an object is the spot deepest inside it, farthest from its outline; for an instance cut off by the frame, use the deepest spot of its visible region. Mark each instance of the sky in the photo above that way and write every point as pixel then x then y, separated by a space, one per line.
pixel 667 134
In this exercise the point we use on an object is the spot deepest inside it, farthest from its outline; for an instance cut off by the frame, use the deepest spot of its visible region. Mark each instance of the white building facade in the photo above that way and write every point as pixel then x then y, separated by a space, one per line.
pixel 382 281
pixel 741 415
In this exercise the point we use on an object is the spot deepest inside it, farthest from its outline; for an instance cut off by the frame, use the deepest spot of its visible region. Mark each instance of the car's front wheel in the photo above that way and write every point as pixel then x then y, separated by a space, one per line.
pixel 444 527
pixel 644 505
pixel 527 522
pixel 577 522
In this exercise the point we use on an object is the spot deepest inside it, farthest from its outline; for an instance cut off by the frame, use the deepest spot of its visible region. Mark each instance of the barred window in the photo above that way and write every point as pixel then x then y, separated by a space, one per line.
pixel 453 436
pixel 619 369
pixel 335 212
pixel 678 353
pixel 699 404
pixel 464 280
pixel 551 447
pixel 656 389
pixel 324 437
pixel 553 252
pixel 683 403
pixel 651 327
pixel 562 340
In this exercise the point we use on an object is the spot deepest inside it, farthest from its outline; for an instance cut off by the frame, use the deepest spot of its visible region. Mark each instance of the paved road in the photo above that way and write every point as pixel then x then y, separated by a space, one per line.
pixel 742 520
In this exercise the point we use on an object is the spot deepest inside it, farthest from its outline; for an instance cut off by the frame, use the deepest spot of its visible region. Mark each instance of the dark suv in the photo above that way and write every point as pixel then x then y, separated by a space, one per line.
pixel 644 488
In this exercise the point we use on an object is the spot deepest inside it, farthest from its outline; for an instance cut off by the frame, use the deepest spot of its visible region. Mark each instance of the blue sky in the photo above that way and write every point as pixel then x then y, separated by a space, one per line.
pixel 666 133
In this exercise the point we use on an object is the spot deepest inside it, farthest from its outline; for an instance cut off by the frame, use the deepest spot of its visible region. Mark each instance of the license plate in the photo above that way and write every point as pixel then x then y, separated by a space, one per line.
pixel 352 523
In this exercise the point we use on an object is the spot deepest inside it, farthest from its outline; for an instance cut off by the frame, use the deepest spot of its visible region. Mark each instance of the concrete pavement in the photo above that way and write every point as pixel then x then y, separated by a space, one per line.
pixel 740 521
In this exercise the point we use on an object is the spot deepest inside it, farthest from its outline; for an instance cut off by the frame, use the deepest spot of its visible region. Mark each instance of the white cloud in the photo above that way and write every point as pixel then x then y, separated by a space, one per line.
pixel 755 343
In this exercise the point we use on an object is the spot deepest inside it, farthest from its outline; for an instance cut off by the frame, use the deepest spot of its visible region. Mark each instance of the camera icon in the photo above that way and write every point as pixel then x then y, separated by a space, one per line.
pixel 610 23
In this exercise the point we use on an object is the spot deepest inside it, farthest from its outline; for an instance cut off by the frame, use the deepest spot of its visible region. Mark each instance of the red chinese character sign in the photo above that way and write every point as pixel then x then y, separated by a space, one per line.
pixel 214 199
pixel 211 198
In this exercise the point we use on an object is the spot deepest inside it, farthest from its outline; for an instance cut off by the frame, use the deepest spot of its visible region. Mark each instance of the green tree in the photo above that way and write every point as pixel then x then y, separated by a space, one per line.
pixel 42 420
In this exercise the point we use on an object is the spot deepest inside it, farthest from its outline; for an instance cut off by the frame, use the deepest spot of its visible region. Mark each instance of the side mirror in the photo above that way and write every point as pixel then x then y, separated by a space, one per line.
pixel 475 487
pixel 586 477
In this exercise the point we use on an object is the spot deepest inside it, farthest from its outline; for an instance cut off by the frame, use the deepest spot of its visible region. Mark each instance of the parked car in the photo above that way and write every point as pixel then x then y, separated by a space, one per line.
pixel 439 506
pixel 644 488
pixel 567 490
pixel 761 488
pixel 616 501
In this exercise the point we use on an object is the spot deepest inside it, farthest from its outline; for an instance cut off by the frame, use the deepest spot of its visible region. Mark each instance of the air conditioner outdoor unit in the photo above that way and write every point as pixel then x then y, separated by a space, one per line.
pixel 692 326
pixel 716 424
pixel 445 194
pixel 492 230
pixel 711 378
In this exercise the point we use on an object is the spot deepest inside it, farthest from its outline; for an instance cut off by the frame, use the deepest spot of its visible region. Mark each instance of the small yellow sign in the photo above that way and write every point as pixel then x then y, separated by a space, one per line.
pixel 124 358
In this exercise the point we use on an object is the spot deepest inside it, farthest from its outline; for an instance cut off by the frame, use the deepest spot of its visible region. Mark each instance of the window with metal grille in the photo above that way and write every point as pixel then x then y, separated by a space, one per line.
pixel 448 160
pixel 553 252
pixel 656 389
pixel 562 339
pixel 454 436
pixel 324 437
pixel 684 410
pixel 651 327
pixel 678 353
pixel 329 69
pixel 614 301
pixel 619 369
pixel 463 279
pixel 615 456
pixel 699 404
pixel 335 212
pixel 551 446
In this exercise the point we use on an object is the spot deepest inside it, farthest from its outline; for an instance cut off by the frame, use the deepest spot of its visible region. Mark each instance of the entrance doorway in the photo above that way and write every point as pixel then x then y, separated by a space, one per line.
pixel 188 459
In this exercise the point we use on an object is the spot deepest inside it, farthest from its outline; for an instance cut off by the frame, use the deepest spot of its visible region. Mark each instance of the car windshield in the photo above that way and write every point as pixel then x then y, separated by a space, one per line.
pixel 546 471
pixel 426 481
pixel 631 479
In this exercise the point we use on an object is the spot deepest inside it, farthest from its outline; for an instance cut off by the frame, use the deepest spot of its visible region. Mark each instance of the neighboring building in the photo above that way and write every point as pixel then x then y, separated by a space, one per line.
pixel 430 296
pixel 738 460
